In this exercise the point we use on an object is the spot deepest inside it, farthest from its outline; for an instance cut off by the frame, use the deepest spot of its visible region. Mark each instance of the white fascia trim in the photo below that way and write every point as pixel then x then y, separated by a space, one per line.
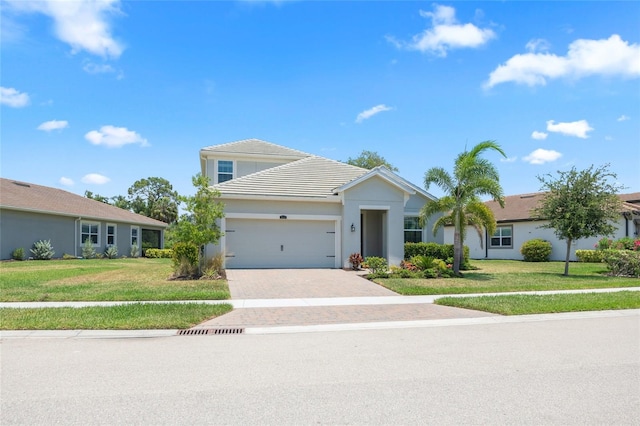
pixel 333 199
pixel 374 207
pixel 276 216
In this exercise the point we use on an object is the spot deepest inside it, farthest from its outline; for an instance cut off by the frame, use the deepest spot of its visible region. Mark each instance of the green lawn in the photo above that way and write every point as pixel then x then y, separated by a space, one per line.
pixel 101 280
pixel 523 304
pixel 512 275
pixel 138 316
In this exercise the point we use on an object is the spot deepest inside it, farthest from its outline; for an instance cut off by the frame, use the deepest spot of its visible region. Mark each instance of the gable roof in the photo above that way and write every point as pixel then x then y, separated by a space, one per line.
pixel 254 147
pixel 518 207
pixel 43 199
pixel 310 177
pixel 389 176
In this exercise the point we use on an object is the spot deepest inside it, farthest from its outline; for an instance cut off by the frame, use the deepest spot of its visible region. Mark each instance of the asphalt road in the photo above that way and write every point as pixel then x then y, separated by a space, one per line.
pixel 576 371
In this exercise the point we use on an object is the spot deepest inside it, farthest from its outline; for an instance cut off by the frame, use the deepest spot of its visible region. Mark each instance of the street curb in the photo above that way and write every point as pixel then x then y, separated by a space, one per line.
pixel 137 334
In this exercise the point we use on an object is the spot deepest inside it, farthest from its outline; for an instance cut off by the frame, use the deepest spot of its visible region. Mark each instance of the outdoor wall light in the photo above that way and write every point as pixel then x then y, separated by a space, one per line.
pixel 353 228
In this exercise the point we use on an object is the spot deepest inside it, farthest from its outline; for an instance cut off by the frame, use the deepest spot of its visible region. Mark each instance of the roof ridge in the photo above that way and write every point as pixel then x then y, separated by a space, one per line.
pixel 281 147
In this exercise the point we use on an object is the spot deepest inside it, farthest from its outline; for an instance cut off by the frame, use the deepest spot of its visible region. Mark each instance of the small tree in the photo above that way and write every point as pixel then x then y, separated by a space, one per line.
pixel 199 225
pixel 579 204
pixel 370 160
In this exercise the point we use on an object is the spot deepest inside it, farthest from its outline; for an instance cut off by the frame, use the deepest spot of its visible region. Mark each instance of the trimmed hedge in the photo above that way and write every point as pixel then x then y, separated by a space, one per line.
pixel 536 250
pixel 589 256
pixel 155 253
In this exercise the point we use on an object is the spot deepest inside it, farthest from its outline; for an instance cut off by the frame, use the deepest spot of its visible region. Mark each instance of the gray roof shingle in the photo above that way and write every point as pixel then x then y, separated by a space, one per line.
pixel 31 197
pixel 255 147
pixel 312 177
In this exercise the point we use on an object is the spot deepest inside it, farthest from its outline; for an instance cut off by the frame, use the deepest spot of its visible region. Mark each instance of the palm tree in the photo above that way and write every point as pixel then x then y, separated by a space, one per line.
pixel 473 177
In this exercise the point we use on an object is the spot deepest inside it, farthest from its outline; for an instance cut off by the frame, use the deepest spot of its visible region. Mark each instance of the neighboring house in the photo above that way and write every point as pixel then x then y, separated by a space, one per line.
pixel 29 213
pixel 288 209
pixel 516 226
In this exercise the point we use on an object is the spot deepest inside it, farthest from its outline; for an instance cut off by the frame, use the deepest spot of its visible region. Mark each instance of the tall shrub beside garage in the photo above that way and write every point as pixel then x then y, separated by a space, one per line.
pixel 199 226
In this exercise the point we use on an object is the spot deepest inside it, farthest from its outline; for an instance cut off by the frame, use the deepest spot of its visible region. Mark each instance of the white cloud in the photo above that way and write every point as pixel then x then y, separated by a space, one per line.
pixel 364 115
pixel 83 24
pixel 537 45
pixel 95 178
pixel 610 57
pixel 623 118
pixel 445 34
pixel 541 156
pixel 66 181
pixel 115 137
pixel 539 135
pixel 93 68
pixel 578 129
pixel 48 126
pixel 13 98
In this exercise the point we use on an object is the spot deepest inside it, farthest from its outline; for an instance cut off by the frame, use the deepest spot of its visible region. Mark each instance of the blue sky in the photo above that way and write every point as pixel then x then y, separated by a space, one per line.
pixel 98 94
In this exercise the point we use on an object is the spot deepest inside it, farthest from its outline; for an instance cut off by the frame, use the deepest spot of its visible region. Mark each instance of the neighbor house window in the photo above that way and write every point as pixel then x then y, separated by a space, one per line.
pixel 111 234
pixel 134 235
pixel 225 171
pixel 412 230
pixel 90 231
pixel 503 237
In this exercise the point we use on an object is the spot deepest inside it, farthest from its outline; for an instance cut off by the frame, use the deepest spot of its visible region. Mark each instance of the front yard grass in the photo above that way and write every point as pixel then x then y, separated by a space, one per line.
pixel 523 304
pixel 494 276
pixel 138 316
pixel 137 279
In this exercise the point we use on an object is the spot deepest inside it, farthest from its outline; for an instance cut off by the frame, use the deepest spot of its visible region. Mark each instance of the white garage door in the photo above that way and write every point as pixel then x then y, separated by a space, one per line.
pixel 281 243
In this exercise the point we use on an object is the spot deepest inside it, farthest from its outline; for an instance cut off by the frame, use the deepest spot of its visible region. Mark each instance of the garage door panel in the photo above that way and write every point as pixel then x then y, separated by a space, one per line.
pixel 280 244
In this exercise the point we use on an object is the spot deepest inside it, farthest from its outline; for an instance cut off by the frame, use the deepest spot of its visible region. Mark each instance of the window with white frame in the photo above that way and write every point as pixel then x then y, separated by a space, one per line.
pixel 503 237
pixel 90 231
pixel 225 170
pixel 412 229
pixel 134 235
pixel 111 234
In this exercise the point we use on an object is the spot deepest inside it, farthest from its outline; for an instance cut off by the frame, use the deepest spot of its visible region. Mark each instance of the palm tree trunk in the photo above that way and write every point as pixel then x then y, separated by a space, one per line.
pixel 566 259
pixel 457 251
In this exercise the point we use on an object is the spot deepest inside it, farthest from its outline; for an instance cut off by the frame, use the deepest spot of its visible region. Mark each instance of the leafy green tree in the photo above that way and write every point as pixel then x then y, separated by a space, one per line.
pixel 579 204
pixel 199 225
pixel 370 160
pixel 97 197
pixel 147 197
pixel 121 201
pixel 473 176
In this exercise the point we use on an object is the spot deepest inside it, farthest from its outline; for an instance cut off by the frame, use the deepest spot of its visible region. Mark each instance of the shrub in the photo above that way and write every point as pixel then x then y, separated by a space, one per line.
pixel 422 262
pixel 67 256
pixel 429 273
pixel 536 250
pixel 622 263
pixel 88 252
pixel 133 252
pixel 18 254
pixel 42 250
pixel 437 251
pixel 185 259
pixel 589 256
pixel 604 244
pixel 214 267
pixel 356 260
pixel 376 265
pixel 625 243
pixel 111 252
pixel 155 253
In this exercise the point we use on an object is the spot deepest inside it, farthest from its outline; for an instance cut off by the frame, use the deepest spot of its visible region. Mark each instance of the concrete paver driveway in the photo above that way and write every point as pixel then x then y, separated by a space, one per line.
pixel 300 283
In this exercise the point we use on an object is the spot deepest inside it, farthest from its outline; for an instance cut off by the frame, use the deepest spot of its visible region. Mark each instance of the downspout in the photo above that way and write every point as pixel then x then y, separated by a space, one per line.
pixel 75 237
pixel 626 223
pixel 486 245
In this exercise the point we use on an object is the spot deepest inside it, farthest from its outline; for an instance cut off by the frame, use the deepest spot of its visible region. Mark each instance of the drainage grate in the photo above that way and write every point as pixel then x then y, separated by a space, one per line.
pixel 198 331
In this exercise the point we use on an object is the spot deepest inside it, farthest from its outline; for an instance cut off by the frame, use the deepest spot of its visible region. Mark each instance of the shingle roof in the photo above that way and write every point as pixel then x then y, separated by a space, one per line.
pixel 314 177
pixel 32 197
pixel 255 147
pixel 518 207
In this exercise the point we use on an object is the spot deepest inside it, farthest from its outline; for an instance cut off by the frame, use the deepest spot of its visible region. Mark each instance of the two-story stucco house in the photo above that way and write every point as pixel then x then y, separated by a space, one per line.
pixel 288 209
pixel 515 226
